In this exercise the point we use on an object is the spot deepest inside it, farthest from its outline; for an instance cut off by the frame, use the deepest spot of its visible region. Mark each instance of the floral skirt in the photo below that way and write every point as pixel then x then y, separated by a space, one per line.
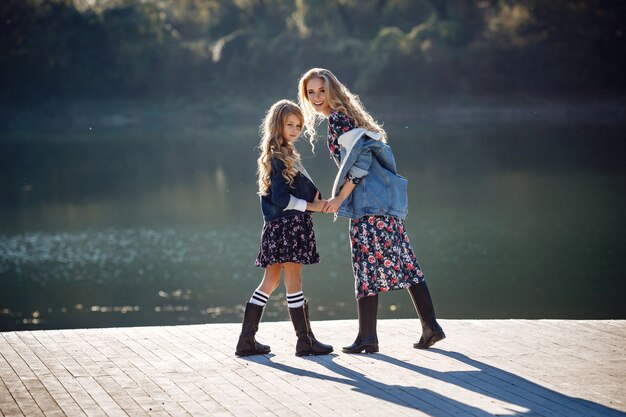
pixel 288 239
pixel 382 256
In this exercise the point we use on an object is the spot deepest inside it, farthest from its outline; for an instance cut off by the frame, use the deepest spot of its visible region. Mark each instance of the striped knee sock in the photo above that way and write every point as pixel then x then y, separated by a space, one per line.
pixel 295 299
pixel 259 298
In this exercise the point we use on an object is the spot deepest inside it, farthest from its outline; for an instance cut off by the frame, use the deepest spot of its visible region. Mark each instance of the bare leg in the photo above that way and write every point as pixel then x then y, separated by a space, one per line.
pixel 293 277
pixel 271 278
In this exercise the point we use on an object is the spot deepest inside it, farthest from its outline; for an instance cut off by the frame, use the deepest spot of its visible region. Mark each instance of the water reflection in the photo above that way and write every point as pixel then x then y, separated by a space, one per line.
pixel 507 221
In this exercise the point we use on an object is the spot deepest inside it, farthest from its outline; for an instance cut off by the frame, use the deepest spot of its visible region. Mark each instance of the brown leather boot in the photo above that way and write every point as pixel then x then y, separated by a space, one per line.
pixel 431 330
pixel 247 344
pixel 307 344
pixel 367 339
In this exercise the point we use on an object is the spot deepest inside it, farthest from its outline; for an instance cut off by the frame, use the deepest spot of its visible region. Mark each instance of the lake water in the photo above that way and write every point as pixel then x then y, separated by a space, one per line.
pixel 120 227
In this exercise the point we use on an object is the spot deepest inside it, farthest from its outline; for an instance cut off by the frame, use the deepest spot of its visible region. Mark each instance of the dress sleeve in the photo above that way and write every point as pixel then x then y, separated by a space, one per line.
pixel 296 204
pixel 353 179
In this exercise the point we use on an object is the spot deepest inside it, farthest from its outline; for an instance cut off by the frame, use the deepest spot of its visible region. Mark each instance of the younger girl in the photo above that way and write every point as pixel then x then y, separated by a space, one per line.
pixel 287 197
pixel 368 191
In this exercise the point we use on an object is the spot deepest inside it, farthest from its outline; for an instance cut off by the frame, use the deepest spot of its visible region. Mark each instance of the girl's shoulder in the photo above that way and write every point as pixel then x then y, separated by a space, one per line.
pixel 277 163
pixel 339 123
pixel 336 115
pixel 339 118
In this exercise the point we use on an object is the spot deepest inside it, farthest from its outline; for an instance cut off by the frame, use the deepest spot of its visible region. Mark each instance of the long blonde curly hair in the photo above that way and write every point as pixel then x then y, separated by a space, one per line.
pixel 339 98
pixel 272 144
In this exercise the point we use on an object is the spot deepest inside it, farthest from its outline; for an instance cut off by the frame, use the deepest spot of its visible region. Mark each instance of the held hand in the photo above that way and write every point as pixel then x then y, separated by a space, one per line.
pixel 332 205
pixel 317 204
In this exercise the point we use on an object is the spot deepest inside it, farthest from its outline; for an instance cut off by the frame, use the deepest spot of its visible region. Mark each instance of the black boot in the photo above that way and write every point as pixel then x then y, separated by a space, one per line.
pixel 307 344
pixel 366 340
pixel 247 344
pixel 431 330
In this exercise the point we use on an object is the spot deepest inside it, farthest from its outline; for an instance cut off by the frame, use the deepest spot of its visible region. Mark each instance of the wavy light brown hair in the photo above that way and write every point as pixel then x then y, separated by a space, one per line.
pixel 339 98
pixel 273 145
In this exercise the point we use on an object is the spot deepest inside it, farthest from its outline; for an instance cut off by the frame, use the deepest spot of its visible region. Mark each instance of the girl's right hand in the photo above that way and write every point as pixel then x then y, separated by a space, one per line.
pixel 332 205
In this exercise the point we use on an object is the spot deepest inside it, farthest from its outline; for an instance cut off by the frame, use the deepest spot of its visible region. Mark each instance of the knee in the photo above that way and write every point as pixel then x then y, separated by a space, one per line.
pixel 293 270
pixel 293 284
pixel 271 281
pixel 275 284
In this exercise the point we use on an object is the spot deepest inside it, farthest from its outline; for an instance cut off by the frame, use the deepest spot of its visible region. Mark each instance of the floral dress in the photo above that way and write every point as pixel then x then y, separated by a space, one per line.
pixel 288 239
pixel 382 256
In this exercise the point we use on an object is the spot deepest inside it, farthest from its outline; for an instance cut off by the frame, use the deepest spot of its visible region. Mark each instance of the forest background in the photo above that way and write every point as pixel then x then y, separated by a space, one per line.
pixel 216 49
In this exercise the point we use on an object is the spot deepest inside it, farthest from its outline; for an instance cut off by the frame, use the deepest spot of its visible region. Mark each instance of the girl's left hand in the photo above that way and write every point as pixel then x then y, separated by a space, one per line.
pixel 332 205
pixel 317 204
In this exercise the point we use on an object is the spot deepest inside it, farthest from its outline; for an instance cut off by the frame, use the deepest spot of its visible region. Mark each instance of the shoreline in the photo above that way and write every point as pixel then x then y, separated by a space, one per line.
pixel 81 115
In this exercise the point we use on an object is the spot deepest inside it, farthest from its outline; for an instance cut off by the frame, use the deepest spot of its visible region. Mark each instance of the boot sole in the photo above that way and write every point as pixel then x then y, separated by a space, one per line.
pixel 431 341
pixel 364 349
pixel 309 353
pixel 252 353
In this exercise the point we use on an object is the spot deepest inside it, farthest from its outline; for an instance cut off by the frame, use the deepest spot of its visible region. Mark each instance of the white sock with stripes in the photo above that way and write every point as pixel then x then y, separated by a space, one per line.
pixel 259 298
pixel 295 300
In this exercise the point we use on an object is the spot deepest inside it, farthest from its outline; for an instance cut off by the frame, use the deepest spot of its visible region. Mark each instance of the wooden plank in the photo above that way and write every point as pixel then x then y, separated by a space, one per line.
pixel 486 367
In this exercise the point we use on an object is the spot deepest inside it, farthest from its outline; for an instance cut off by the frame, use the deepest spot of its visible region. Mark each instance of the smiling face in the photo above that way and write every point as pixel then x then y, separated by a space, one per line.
pixel 316 94
pixel 291 128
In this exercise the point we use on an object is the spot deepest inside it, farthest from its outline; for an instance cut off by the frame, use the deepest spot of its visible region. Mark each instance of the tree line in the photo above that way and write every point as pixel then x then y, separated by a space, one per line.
pixel 154 48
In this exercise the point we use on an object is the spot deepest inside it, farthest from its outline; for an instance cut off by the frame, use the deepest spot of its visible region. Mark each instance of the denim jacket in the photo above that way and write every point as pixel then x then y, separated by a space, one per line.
pixel 381 190
pixel 280 200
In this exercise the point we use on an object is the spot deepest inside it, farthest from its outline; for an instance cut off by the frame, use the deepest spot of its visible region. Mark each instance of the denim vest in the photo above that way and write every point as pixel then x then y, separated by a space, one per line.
pixel 381 190
pixel 280 194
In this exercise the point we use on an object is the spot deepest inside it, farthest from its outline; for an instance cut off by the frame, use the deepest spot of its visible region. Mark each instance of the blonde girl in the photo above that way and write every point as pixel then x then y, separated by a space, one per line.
pixel 288 196
pixel 369 191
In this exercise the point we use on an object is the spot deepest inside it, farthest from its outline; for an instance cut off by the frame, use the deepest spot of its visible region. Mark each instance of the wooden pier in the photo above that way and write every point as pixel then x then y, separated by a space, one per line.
pixel 562 368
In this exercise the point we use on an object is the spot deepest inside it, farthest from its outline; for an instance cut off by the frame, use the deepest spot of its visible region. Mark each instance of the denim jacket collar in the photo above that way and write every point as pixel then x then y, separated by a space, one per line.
pixel 347 141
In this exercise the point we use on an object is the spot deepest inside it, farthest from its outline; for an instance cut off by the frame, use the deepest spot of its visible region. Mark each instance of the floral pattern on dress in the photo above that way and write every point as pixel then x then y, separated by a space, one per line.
pixel 382 256
pixel 288 239
pixel 338 124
